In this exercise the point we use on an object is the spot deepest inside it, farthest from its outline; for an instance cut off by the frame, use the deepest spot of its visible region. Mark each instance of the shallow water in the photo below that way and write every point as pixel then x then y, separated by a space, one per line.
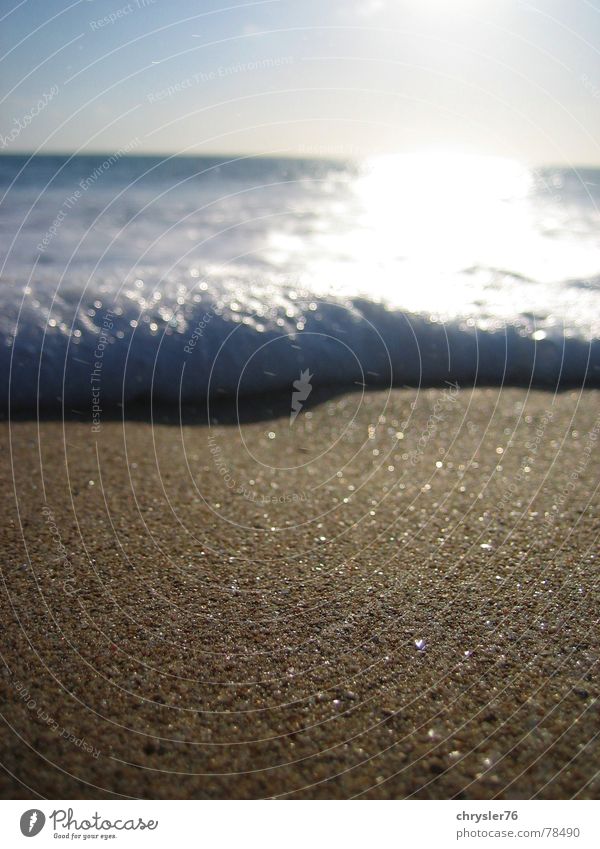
pixel 178 278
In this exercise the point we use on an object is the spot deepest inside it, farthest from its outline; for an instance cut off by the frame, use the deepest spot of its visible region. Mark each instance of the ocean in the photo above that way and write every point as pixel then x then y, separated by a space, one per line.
pixel 125 278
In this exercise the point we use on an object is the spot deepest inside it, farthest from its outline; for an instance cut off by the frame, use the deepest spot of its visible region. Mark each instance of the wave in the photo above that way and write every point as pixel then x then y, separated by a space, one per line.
pixel 182 348
pixel 182 279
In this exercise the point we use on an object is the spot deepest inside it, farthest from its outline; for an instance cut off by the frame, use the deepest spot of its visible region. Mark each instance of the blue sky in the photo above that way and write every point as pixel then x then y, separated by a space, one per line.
pixel 498 77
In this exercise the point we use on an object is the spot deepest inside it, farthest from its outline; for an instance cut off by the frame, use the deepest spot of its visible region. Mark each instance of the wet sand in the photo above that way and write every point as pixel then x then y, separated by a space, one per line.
pixel 396 596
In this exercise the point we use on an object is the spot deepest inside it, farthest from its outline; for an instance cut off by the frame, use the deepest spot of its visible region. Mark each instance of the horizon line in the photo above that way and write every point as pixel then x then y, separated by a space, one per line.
pixel 232 155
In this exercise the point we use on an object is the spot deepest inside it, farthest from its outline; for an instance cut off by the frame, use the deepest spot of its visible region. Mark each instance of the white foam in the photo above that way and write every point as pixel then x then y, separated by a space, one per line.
pixel 181 348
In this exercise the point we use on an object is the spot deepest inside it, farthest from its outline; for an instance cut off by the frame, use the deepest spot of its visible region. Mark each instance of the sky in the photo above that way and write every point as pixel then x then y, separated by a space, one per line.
pixel 303 77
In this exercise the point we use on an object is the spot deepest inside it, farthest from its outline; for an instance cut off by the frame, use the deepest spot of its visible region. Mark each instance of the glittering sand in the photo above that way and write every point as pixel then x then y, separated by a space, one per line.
pixel 396 596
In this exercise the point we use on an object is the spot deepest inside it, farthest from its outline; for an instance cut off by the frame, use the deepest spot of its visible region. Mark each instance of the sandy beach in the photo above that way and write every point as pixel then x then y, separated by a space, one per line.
pixel 395 596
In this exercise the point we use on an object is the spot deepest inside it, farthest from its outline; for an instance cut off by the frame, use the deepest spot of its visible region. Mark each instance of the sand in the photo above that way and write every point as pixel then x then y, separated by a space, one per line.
pixel 395 597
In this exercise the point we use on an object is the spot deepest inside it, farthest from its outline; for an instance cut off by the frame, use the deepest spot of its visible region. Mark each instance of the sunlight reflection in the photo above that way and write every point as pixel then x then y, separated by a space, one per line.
pixel 435 232
pixel 446 207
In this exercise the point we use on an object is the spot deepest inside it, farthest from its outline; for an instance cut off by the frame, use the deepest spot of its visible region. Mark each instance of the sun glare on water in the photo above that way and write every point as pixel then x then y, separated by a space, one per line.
pixel 442 208
pixel 414 219
pixel 441 233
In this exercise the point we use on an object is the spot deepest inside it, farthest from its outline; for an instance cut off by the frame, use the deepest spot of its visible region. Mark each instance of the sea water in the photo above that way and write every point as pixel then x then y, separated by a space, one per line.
pixel 125 278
